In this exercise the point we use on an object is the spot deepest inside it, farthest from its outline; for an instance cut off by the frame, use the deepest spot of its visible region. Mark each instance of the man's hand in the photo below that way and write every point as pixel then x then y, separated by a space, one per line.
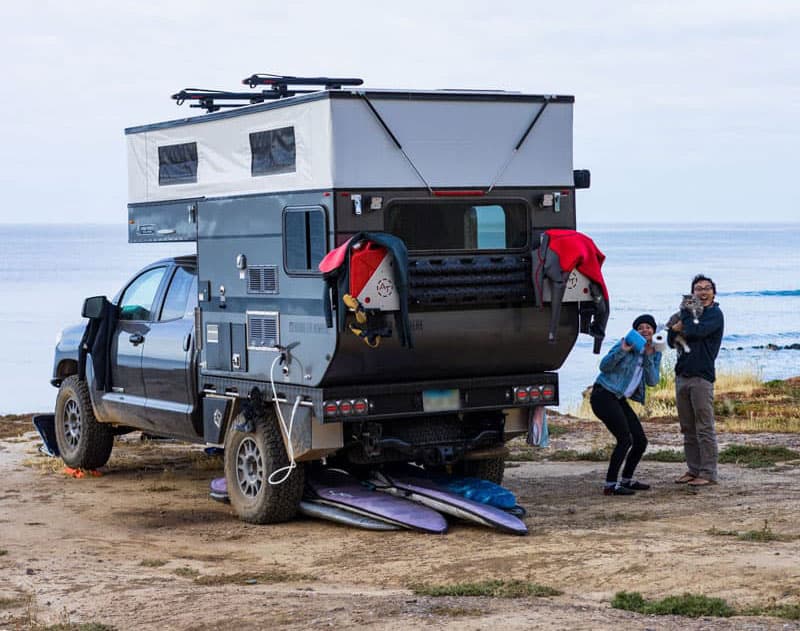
pixel 677 327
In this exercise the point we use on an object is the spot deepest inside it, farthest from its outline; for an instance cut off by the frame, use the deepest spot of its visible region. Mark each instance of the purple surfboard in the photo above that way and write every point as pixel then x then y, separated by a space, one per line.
pixel 435 496
pixel 340 489
pixel 219 490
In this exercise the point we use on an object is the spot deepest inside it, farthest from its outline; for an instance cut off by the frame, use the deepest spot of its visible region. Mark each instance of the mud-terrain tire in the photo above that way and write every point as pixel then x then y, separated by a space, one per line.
pixel 491 469
pixel 83 442
pixel 250 458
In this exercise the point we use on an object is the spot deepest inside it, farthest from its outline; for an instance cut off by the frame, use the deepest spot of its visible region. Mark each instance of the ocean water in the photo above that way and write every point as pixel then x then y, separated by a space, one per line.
pixel 47 271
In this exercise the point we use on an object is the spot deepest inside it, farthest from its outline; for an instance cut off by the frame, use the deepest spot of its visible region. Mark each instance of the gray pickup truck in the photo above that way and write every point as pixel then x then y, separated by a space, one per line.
pixel 372 284
pixel 152 362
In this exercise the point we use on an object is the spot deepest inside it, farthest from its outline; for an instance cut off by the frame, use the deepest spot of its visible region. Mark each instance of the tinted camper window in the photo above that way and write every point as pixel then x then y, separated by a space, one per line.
pixel 272 151
pixel 459 225
pixel 177 164
pixel 304 239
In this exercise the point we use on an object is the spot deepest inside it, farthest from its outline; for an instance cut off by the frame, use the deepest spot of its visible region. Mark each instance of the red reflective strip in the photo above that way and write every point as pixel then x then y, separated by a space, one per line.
pixel 474 193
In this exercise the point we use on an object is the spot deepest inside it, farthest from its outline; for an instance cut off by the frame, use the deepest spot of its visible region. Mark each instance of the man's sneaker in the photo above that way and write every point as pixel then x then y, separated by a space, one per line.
pixel 635 485
pixel 618 490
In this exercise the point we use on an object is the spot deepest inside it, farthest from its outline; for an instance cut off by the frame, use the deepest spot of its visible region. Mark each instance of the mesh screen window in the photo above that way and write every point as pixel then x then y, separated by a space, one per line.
pixel 177 164
pixel 272 151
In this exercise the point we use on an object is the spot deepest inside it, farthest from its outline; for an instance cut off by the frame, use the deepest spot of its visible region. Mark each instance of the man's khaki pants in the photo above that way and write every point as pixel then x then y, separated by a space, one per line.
pixel 694 397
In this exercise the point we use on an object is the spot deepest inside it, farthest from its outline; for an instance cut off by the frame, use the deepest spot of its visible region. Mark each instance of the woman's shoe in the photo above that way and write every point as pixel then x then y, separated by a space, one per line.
pixel 618 490
pixel 635 485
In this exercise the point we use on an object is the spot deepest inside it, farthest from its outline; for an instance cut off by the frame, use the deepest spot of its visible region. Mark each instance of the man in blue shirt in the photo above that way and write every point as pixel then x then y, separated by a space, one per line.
pixel 694 384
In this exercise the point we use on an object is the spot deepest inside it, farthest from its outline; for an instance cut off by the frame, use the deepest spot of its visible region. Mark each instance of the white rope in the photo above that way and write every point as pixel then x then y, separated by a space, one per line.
pixel 289 447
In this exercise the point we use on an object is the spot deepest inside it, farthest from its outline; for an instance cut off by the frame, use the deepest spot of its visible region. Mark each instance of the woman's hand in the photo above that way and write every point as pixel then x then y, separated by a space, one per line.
pixel 625 346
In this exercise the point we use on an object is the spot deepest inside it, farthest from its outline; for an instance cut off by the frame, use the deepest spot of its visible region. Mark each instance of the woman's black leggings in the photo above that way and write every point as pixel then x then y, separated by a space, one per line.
pixel 623 423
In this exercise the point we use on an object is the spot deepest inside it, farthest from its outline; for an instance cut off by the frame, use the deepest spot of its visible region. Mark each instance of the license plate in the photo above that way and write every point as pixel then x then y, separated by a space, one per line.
pixel 440 400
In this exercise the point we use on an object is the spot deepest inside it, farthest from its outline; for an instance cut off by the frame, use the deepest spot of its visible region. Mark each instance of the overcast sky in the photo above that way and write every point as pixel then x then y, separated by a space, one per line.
pixel 685 111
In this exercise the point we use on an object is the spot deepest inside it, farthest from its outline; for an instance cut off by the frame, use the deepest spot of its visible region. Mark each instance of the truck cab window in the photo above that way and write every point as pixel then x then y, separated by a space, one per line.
pixel 180 289
pixel 459 225
pixel 137 300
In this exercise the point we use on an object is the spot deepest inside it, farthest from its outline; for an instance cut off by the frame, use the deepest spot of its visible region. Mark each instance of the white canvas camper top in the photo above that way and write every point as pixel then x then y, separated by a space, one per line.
pixel 348 138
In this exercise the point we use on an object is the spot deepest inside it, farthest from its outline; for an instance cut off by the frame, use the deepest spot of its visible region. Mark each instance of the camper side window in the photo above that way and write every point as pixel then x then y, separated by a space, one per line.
pixel 177 164
pixel 304 239
pixel 272 151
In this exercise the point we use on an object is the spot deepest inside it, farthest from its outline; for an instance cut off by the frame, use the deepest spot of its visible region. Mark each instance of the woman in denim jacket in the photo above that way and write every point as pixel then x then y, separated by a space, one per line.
pixel 623 375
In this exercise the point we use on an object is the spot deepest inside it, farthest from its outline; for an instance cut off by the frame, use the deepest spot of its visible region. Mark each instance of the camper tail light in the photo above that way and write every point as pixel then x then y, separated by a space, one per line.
pixel 345 407
pixel 534 394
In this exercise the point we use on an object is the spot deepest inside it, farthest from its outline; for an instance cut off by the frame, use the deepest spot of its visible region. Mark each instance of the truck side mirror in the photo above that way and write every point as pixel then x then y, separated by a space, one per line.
pixel 93 307
pixel 582 178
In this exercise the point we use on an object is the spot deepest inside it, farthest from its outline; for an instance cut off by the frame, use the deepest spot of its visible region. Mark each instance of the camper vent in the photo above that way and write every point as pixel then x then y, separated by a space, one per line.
pixel 262 330
pixel 262 279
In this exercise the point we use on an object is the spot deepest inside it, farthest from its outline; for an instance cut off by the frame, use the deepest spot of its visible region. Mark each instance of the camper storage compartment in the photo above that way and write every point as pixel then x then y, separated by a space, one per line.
pixel 162 221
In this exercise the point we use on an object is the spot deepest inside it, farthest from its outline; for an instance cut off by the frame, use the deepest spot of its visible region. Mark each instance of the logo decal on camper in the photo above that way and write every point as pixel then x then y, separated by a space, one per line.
pixel 572 281
pixel 385 287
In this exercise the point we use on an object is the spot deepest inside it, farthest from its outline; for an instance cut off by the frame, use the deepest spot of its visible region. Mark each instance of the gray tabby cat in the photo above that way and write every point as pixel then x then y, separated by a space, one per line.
pixel 695 307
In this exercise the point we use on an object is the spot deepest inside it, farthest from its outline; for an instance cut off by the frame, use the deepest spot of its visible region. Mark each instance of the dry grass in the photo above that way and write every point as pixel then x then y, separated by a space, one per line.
pixel 742 403
pixel 252 578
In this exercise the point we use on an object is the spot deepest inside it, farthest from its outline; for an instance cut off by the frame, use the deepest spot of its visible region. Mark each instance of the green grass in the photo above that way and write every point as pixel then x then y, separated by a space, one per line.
pixel 689 605
pixel 186 572
pixel 789 612
pixel 251 578
pixel 14 602
pixel 557 430
pixel 665 455
pixel 763 534
pixel 601 454
pixel 756 456
pixel 492 588
pixel 152 563
pixel 72 626
pixel 718 532
pixel 696 606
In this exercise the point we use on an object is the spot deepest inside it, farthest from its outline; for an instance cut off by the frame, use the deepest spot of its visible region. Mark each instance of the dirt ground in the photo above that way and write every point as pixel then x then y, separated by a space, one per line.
pixel 143 547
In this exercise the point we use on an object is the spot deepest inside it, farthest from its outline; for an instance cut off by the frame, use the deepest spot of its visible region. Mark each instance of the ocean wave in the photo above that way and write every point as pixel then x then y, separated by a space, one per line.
pixel 763 292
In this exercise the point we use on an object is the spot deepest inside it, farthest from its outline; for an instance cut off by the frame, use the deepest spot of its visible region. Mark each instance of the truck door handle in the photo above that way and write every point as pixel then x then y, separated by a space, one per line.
pixel 187 341
pixel 136 339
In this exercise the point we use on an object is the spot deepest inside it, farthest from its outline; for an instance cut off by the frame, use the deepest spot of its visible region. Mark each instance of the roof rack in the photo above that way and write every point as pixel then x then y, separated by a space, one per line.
pixel 278 89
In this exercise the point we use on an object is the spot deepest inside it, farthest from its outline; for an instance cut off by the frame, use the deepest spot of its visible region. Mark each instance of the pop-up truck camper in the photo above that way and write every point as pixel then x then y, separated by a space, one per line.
pixel 380 276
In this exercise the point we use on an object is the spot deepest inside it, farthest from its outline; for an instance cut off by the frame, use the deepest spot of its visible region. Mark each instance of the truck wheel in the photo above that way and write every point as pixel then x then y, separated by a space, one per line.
pixel 84 443
pixel 250 458
pixel 491 469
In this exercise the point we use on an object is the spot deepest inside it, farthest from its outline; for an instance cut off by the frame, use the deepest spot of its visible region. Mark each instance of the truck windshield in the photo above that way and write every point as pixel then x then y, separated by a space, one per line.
pixel 459 225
